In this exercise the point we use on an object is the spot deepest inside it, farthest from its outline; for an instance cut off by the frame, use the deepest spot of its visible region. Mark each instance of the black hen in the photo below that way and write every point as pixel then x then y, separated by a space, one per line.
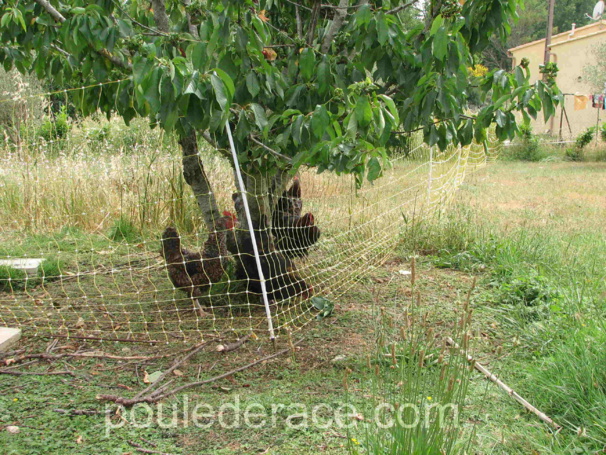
pixel 282 279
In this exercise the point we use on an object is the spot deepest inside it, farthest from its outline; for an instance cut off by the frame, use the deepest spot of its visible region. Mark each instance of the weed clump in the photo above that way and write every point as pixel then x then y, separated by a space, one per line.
pixel 123 231
pixel 11 279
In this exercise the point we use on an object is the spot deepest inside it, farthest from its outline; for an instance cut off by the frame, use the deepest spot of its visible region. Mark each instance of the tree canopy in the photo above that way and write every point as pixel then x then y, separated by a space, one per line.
pixel 324 84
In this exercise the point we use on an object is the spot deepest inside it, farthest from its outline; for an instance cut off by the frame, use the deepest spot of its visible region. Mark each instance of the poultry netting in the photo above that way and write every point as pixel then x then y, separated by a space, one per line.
pixel 84 249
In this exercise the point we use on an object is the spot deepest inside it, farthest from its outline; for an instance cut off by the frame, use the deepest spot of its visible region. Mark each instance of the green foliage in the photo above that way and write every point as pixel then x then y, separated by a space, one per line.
pixel 328 101
pixel 603 132
pixel 526 148
pixel 577 153
pixel 55 128
pixel 124 231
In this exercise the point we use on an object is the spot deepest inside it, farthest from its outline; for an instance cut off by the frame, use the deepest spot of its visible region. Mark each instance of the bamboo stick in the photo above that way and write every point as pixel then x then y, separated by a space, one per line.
pixel 512 393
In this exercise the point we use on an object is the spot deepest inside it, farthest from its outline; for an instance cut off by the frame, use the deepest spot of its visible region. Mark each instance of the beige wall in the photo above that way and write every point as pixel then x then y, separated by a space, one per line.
pixel 572 52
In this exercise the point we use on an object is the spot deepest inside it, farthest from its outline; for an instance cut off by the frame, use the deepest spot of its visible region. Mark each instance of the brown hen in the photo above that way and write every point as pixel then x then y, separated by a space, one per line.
pixel 194 272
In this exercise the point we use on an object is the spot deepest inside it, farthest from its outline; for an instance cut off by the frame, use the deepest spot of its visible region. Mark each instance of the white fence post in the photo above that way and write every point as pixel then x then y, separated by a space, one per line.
pixel 251 230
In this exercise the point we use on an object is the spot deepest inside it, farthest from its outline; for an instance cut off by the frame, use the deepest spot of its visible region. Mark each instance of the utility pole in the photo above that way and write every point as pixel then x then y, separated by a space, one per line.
pixel 549 32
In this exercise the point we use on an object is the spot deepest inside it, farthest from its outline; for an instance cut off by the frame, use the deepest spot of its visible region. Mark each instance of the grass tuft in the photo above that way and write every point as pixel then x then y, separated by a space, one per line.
pixel 124 231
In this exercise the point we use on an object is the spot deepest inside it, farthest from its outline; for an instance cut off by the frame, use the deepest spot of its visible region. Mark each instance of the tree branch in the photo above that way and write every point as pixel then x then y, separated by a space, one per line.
pixel 337 23
pixel 155 397
pixel 160 16
pixel 265 147
pixel 56 15
pixel 397 9
pixel 315 15
pixel 299 23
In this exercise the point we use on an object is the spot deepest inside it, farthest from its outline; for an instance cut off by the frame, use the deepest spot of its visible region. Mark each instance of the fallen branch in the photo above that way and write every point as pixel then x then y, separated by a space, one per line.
pixel 21 373
pixel 229 347
pixel 82 412
pixel 90 355
pixel 153 398
pixel 505 387
pixel 140 448
pixel 173 367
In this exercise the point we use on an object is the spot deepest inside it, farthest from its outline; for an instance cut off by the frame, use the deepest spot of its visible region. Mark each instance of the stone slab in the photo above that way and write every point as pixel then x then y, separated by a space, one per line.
pixel 8 338
pixel 30 266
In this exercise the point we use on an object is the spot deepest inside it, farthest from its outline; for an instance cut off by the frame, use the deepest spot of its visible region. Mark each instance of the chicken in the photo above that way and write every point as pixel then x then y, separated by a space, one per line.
pixel 194 272
pixel 297 235
pixel 294 233
pixel 282 279
pixel 231 240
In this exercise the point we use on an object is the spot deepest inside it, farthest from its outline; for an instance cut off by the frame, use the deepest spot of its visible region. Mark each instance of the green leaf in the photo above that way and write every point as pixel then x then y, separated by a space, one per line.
pixel 219 89
pixel 374 169
pixel 363 111
pixel 324 77
pixel 307 62
pixel 151 378
pixel 319 121
pixel 252 84
pixel 323 305
pixel 391 106
pixel 229 83
pixel 198 56
pixel 260 117
pixel 352 126
pixel 439 45
pixel 382 30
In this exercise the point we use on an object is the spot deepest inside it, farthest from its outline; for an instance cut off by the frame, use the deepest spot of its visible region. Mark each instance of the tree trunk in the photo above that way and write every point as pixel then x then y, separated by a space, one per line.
pixel 195 176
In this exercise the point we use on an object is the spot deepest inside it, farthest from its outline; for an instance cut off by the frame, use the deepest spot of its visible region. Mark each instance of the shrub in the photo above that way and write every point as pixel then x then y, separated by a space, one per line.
pixel 527 148
pixel 57 128
pixel 577 153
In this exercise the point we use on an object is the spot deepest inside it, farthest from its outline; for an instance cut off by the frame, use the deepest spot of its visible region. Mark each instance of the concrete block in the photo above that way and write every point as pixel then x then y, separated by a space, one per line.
pixel 8 338
pixel 30 266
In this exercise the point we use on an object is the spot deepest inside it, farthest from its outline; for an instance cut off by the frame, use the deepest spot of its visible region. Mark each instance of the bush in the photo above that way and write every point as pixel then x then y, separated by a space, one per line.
pixel 528 147
pixel 57 128
pixel 577 153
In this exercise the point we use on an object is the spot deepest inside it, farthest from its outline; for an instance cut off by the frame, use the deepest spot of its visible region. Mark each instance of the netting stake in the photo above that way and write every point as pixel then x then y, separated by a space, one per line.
pixel 251 231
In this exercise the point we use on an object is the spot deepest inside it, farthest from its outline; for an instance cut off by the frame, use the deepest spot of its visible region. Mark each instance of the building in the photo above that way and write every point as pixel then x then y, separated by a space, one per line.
pixel 572 51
